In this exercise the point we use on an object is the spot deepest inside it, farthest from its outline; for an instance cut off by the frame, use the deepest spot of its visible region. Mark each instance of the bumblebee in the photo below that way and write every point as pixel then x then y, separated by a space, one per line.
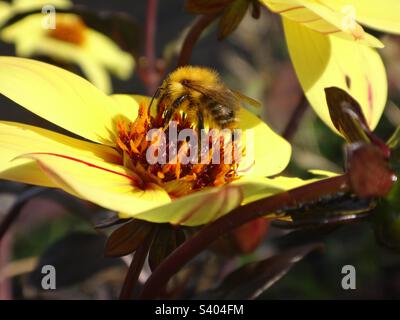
pixel 198 95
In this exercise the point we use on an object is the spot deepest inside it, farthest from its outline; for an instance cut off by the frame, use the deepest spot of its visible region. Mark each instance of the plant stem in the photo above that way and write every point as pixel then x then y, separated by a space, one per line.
pixel 295 118
pixel 151 23
pixel 193 36
pixel 134 270
pixel 151 76
pixel 5 255
pixel 200 241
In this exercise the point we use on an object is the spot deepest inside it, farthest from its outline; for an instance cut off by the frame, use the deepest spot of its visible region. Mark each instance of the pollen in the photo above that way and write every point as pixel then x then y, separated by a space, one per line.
pixel 69 29
pixel 151 157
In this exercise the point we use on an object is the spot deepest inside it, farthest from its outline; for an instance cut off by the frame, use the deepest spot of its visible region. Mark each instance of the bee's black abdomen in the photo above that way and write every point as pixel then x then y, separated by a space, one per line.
pixel 222 115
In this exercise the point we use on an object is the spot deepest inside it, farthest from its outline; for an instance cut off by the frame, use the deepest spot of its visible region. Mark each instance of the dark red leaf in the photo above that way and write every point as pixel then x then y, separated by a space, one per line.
pixel 166 240
pixel 127 238
pixel 347 115
pixel 349 120
pixel 206 6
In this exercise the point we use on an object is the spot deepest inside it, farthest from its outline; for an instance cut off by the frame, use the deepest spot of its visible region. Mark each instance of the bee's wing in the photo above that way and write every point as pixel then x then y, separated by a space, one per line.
pixel 246 99
pixel 219 94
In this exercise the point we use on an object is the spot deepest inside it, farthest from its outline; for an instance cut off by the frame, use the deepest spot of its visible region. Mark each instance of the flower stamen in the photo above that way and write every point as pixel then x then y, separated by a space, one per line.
pixel 178 175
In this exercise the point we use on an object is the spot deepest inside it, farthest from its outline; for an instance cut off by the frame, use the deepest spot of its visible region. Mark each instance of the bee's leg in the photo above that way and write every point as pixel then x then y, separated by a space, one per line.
pixel 155 96
pixel 200 127
pixel 171 111
pixel 200 123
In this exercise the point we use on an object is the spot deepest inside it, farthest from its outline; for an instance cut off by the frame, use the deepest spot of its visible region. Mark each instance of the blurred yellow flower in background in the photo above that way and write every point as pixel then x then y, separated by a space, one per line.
pixel 27 5
pixel 5 11
pixel 71 41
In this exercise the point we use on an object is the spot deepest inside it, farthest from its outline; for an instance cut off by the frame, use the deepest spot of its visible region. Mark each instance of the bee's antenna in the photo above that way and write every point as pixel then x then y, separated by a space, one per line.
pixel 155 95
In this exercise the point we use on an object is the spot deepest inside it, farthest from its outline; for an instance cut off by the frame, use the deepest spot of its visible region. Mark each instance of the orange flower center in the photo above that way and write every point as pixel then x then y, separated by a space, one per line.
pixel 176 176
pixel 69 29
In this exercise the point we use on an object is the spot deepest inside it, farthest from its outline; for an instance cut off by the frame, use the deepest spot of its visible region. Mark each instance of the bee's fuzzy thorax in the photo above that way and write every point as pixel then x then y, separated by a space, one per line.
pixel 194 73
pixel 202 75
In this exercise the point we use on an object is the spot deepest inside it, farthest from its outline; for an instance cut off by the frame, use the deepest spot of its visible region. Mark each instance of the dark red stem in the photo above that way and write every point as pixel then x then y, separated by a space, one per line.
pixel 295 118
pixel 134 270
pixel 200 241
pixel 193 36
pixel 150 73
pixel 151 24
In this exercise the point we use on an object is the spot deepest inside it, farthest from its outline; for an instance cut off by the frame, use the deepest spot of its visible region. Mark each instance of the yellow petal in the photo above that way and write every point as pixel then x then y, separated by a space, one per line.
pixel 324 61
pixel 323 173
pixel 5 11
pixel 268 187
pixel 209 204
pixel 321 18
pixel 27 5
pixel 195 209
pixel 382 15
pixel 87 171
pixel 59 96
pixel 110 186
pixel 127 106
pixel 94 72
pixel 107 53
pixel 17 139
pixel 25 33
pixel 267 153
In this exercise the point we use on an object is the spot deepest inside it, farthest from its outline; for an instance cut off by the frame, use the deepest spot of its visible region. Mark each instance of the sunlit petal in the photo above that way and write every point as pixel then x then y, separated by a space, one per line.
pixel 321 18
pixel 209 204
pixel 59 96
pixel 110 186
pixel 16 139
pixel 382 15
pixel 324 61
pixel 267 153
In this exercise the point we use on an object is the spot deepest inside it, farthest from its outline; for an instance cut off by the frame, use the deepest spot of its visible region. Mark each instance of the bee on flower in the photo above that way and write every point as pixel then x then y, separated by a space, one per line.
pixel 108 167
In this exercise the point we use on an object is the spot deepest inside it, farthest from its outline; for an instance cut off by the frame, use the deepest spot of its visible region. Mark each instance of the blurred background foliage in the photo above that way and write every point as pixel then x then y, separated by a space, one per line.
pixel 253 60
